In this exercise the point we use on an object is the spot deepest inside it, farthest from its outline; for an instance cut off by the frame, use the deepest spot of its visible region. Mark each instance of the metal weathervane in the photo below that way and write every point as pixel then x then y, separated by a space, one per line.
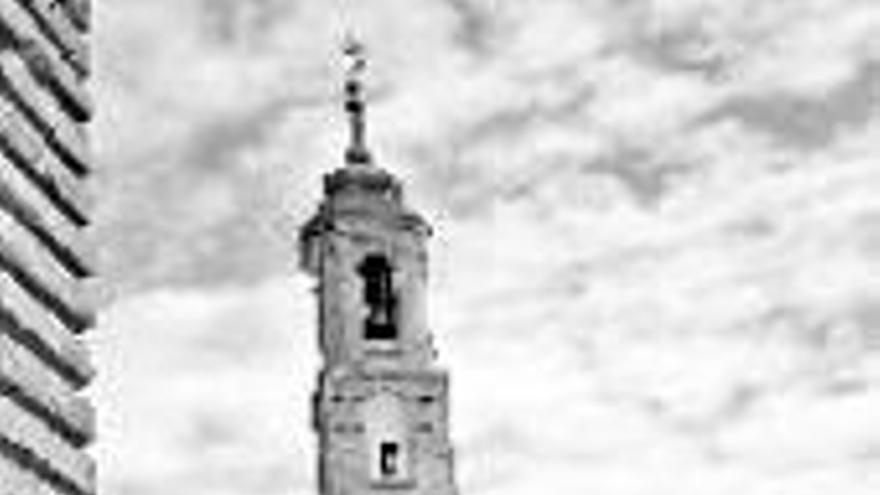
pixel 355 104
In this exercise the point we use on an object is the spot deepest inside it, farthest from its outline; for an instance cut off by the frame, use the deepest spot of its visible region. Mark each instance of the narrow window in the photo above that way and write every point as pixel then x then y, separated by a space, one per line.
pixel 379 298
pixel 389 459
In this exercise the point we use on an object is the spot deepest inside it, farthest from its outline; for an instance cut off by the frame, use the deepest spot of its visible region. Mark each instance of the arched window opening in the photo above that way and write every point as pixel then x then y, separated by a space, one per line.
pixel 389 459
pixel 386 433
pixel 379 298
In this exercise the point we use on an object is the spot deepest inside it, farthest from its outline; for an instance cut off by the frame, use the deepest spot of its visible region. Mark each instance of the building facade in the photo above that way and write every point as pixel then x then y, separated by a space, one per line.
pixel 46 423
pixel 381 408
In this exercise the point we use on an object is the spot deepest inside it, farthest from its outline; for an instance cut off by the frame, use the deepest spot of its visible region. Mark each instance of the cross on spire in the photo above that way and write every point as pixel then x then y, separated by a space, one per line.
pixel 355 104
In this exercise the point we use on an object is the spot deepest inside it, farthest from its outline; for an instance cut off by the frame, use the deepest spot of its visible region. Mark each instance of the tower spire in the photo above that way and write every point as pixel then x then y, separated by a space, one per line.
pixel 355 104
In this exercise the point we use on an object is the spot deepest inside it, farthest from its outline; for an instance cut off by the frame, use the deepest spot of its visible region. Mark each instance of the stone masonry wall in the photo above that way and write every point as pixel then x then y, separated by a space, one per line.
pixel 46 423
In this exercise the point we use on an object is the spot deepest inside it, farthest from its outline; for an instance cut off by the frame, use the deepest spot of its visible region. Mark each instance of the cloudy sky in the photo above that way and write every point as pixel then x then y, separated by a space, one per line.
pixel 656 266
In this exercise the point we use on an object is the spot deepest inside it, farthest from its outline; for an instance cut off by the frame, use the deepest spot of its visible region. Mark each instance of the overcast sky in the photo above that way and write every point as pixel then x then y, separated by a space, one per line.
pixel 656 267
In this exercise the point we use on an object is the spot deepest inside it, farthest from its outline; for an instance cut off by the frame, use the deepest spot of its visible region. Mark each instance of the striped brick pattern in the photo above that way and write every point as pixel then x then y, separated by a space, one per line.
pixel 46 423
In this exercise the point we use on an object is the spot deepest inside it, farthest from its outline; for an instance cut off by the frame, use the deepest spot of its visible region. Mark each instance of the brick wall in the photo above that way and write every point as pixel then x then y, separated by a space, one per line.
pixel 45 421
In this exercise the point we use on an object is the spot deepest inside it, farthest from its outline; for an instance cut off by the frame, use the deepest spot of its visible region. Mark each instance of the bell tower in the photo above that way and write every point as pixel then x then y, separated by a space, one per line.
pixel 381 407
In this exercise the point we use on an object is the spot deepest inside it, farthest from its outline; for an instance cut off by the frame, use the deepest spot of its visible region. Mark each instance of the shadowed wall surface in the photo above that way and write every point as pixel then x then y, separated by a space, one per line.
pixel 46 423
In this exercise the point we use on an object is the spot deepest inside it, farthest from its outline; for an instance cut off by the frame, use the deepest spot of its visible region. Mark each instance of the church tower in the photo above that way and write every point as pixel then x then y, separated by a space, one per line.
pixel 381 408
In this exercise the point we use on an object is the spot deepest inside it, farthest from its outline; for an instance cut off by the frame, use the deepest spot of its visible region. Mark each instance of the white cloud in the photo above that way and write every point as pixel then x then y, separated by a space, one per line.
pixel 207 392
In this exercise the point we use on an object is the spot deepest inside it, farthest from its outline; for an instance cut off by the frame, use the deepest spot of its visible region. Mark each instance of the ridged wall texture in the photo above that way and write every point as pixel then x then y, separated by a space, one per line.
pixel 46 422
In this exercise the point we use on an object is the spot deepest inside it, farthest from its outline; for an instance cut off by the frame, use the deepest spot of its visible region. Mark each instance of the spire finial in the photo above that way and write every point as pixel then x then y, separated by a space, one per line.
pixel 355 104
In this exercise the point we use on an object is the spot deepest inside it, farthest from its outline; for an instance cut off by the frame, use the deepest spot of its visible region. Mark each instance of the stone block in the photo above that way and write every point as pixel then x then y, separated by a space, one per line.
pixel 57 129
pixel 33 445
pixel 25 319
pixel 79 11
pixel 20 143
pixel 44 61
pixel 22 199
pixel 24 203
pixel 14 480
pixel 55 23
pixel 12 204
pixel 44 393
pixel 29 264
